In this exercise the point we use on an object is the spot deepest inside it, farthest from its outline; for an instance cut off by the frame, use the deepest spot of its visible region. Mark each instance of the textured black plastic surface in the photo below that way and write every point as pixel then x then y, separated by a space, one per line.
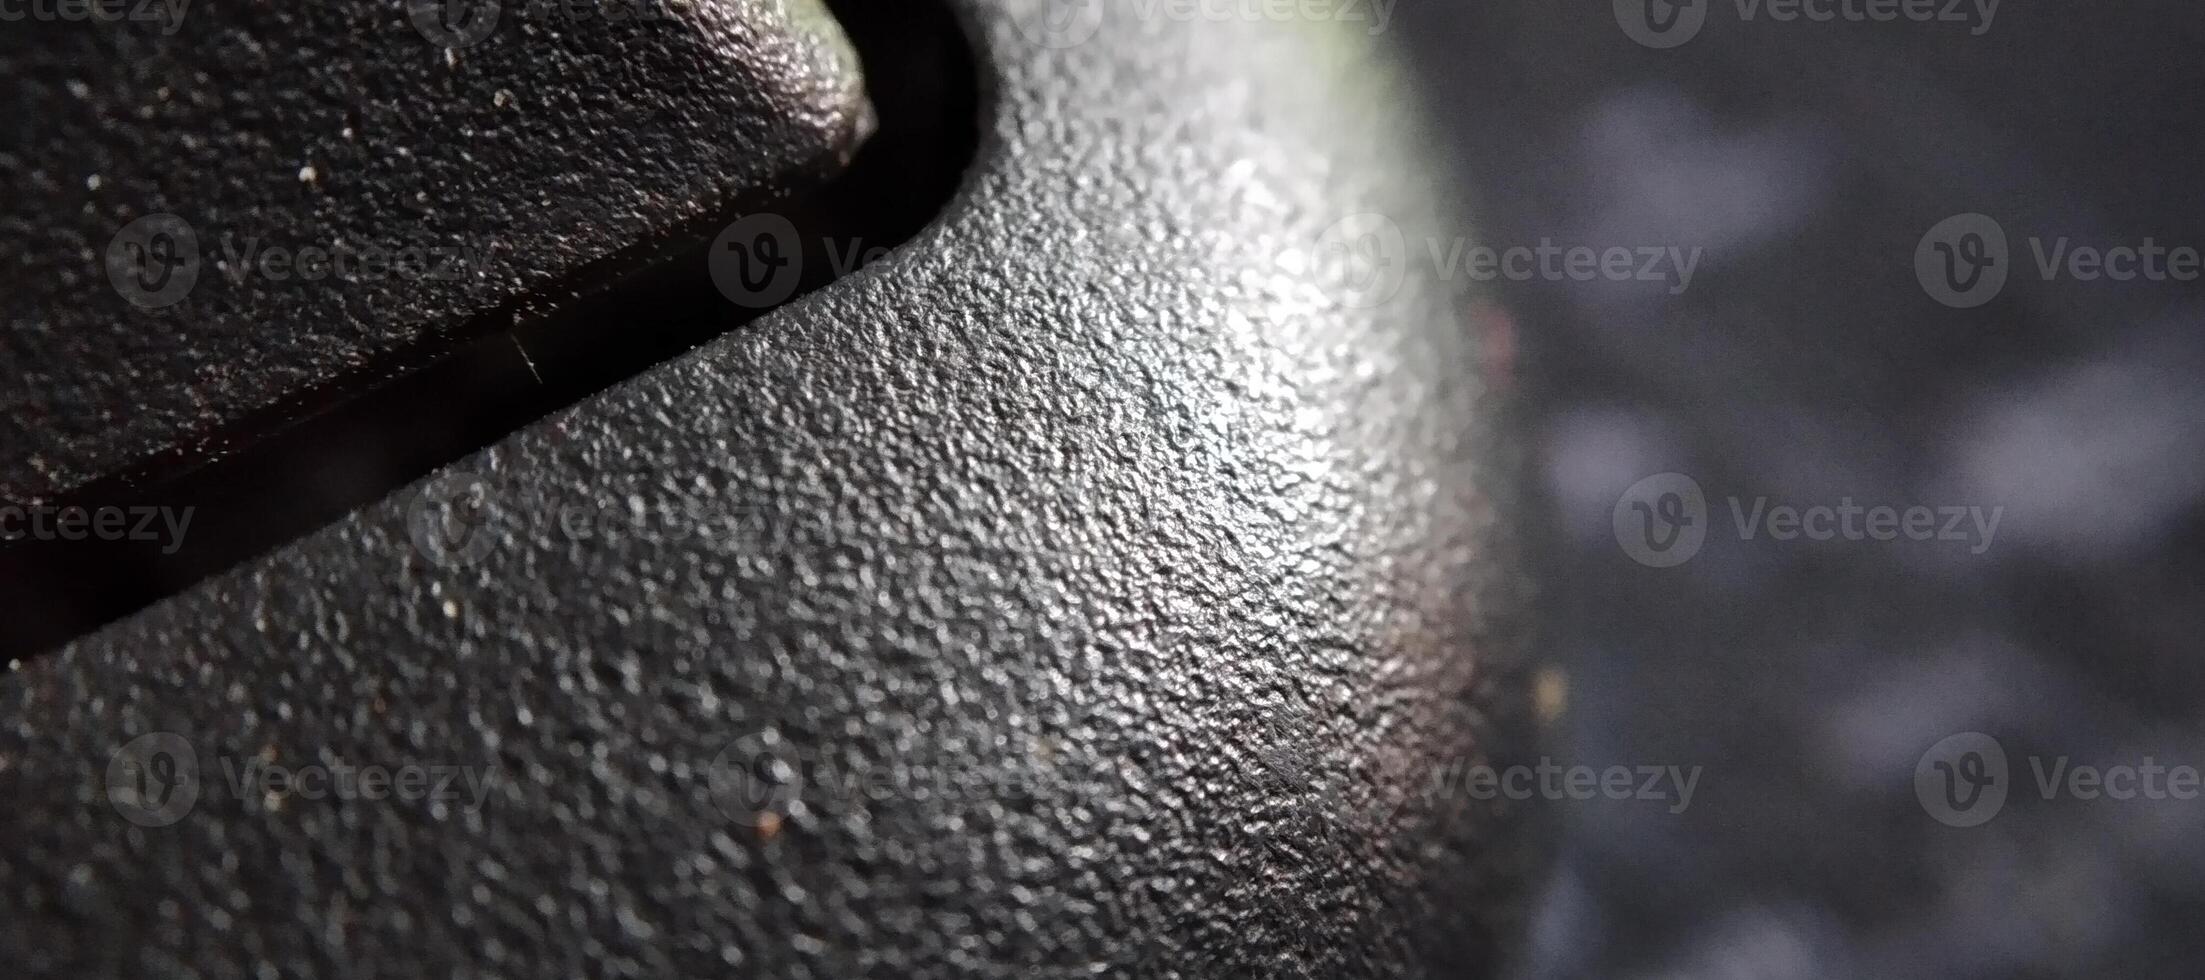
pixel 442 168
pixel 1091 490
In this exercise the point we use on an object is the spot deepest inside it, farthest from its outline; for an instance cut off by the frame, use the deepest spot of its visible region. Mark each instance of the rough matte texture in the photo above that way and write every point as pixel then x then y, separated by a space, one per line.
pixel 340 126
pixel 1090 490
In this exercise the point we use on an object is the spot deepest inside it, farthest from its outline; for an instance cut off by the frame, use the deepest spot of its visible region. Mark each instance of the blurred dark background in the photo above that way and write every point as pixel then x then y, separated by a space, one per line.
pixel 1806 363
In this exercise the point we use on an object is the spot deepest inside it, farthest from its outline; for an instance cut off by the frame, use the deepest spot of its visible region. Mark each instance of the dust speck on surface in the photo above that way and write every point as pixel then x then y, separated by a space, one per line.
pixel 1551 693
